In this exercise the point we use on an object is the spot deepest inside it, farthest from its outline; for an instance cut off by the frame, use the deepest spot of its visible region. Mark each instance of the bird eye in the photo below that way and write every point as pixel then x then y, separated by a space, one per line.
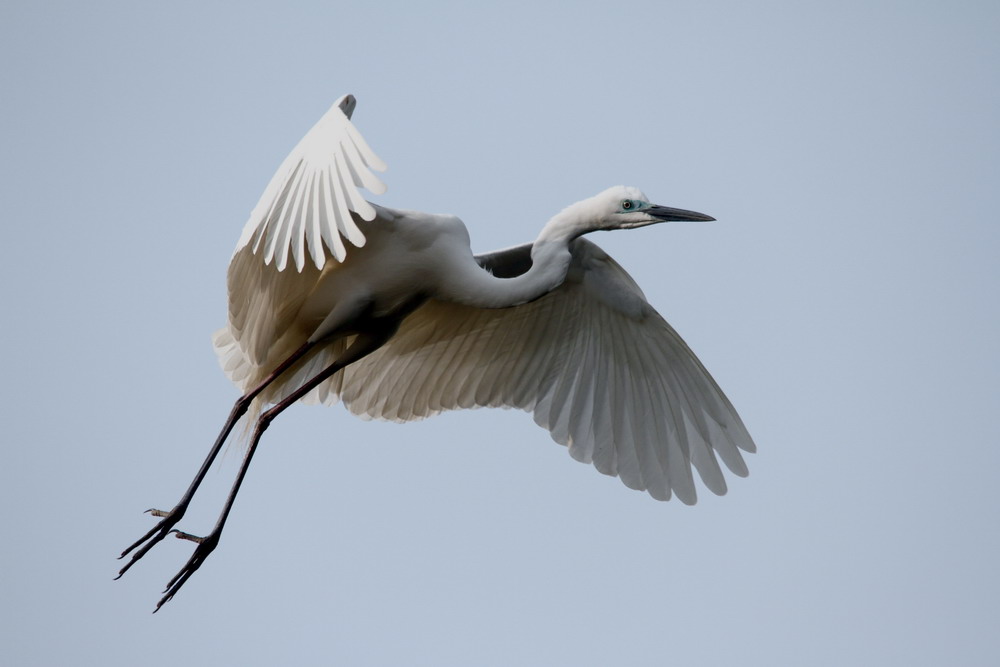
pixel 627 204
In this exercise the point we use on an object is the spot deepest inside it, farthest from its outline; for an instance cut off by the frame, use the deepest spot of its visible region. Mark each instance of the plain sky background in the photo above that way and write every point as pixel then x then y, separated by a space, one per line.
pixel 846 300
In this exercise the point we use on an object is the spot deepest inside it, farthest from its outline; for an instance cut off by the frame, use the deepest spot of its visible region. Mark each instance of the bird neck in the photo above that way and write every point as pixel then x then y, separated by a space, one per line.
pixel 568 224
pixel 550 259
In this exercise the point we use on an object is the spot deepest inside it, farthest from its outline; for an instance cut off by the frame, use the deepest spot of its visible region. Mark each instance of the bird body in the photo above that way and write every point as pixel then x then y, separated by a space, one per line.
pixel 460 322
pixel 335 298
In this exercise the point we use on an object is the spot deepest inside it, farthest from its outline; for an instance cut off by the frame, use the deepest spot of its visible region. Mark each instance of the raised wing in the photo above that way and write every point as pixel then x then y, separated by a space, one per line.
pixel 309 200
pixel 598 367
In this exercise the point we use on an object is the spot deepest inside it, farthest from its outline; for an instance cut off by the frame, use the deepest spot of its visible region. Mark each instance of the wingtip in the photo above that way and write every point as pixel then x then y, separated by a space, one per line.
pixel 347 103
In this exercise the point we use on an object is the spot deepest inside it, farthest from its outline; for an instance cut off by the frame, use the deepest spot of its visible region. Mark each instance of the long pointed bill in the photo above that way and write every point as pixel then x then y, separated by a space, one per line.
pixel 668 214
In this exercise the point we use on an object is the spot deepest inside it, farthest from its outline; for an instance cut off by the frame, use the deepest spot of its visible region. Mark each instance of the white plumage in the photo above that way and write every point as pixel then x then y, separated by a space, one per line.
pixel 310 198
pixel 402 322
pixel 595 363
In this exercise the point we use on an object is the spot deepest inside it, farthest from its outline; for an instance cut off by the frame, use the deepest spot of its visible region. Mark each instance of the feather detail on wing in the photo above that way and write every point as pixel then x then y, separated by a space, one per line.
pixel 592 360
pixel 263 303
pixel 308 203
pixel 595 363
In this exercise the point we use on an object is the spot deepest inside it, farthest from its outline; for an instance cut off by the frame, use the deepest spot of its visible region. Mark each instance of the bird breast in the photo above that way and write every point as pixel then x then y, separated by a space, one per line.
pixel 404 258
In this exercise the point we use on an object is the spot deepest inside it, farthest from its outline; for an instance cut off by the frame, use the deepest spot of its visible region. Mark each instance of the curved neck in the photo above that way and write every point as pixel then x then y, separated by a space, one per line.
pixel 471 285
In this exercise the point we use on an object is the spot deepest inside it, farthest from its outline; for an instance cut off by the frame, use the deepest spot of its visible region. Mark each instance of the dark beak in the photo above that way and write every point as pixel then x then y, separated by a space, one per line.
pixel 668 214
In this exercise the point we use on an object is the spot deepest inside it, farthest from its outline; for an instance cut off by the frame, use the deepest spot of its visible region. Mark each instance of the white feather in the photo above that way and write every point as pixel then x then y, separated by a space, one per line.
pixel 594 362
pixel 332 160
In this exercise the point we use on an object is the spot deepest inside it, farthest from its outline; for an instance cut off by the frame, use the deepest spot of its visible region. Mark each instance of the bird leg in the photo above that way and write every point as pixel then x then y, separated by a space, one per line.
pixel 363 345
pixel 168 519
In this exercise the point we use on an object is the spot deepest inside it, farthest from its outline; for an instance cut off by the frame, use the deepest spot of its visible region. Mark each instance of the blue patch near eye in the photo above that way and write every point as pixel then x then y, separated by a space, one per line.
pixel 630 205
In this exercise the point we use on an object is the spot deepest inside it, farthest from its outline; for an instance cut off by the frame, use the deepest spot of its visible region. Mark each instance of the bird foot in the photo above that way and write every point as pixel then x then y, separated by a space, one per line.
pixel 157 533
pixel 206 545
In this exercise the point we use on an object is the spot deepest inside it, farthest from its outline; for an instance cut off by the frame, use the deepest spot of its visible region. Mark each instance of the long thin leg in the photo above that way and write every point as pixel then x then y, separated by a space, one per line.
pixel 362 346
pixel 169 519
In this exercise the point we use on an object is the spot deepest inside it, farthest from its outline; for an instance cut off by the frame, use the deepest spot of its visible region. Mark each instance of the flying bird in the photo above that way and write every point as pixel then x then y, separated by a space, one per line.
pixel 334 298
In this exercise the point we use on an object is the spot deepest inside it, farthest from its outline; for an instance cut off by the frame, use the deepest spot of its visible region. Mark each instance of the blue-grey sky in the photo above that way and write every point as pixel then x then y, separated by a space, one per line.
pixel 846 300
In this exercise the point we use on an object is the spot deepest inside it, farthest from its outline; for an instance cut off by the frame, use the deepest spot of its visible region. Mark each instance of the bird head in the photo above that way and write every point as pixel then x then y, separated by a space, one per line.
pixel 618 207
pixel 622 207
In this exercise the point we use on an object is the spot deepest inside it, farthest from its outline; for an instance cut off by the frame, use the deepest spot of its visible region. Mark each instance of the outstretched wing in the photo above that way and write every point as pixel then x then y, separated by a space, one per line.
pixel 306 209
pixel 598 367
pixel 309 200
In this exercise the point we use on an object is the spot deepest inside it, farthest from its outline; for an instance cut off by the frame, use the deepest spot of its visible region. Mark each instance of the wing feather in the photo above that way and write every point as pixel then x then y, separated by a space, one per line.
pixel 349 199
pixel 642 417
pixel 659 486
pixel 332 158
pixel 290 223
pixel 318 220
pixel 449 384
pixel 598 367
pixel 330 230
pixel 371 160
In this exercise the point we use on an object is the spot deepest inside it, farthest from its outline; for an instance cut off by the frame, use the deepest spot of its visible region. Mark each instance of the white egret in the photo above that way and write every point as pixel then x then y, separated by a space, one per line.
pixel 333 298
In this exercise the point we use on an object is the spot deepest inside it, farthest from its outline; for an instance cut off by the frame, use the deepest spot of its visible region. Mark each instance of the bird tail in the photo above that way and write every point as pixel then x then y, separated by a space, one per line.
pixel 246 375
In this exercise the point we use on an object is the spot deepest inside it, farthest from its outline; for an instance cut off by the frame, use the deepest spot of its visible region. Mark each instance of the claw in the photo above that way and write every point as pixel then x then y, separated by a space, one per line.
pixel 155 534
pixel 206 545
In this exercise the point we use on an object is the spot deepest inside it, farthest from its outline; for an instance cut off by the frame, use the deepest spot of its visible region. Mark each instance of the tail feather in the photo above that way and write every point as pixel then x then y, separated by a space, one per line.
pixel 246 375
